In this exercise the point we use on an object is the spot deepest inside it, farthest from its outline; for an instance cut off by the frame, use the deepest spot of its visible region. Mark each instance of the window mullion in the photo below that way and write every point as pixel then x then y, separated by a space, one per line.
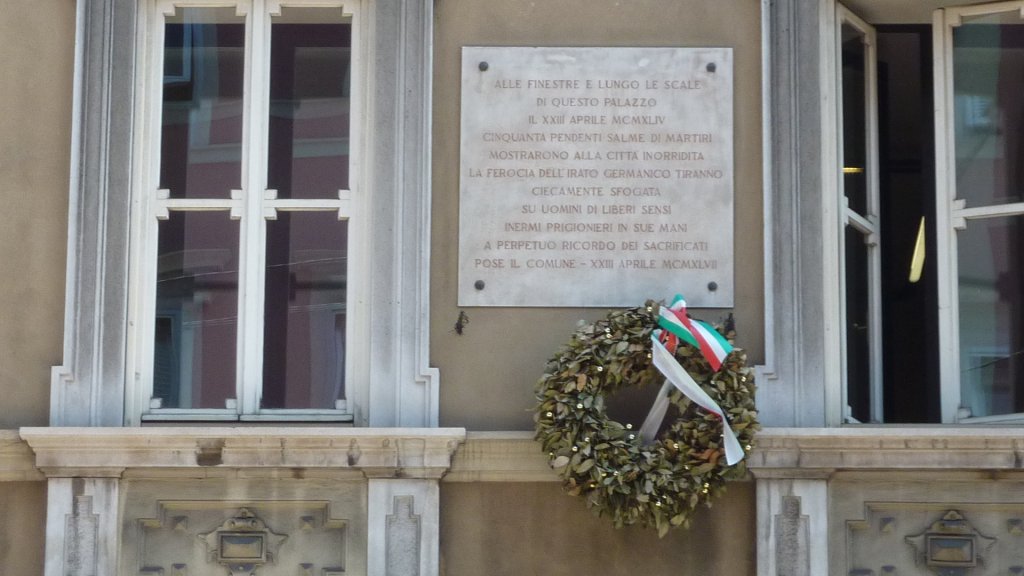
pixel 873 217
pixel 961 214
pixel 949 352
pixel 146 251
pixel 250 355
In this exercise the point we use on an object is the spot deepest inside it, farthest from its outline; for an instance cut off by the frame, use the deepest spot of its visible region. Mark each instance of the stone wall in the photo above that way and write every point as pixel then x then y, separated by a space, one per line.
pixel 502 351
pixel 35 142
pixel 22 528
pixel 510 529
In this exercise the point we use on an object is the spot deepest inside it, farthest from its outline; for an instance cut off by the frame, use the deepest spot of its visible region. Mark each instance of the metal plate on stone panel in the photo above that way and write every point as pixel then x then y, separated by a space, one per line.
pixel 596 176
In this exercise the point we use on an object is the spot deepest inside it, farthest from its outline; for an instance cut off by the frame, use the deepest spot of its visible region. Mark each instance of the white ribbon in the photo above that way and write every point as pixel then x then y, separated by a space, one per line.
pixel 676 376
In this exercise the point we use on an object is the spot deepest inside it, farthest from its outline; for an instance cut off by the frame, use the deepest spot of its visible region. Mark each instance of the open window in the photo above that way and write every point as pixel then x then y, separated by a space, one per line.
pixel 930 181
pixel 981 184
pixel 886 205
pixel 859 254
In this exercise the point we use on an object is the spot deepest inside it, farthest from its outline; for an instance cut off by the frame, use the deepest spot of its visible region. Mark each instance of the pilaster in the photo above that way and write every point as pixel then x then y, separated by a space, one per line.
pixel 403 527
pixel 792 527
pixel 403 387
pixel 82 526
pixel 87 389
pixel 793 383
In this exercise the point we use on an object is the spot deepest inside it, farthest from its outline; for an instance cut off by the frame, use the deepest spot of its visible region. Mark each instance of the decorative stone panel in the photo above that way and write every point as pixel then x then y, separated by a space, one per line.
pixel 876 498
pixel 308 495
pixel 403 528
pixel 81 533
pixel 261 538
pixel 944 539
pixel 791 528
pixel 403 539
pixel 81 526
pixel 251 527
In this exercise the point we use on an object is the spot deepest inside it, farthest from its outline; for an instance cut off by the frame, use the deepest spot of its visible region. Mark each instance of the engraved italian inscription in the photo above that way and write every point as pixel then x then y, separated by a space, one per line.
pixel 596 176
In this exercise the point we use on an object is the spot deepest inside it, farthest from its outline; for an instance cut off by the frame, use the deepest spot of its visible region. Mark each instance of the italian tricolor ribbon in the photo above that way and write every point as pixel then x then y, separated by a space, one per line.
pixel 715 348
pixel 699 334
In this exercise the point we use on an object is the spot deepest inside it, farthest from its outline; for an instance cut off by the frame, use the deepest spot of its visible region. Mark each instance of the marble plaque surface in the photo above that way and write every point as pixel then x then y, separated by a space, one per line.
pixel 596 176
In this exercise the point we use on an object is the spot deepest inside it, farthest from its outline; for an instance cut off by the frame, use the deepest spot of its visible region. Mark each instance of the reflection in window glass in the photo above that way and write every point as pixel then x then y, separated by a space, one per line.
pixel 988 65
pixel 858 350
pixel 196 310
pixel 988 72
pixel 201 127
pixel 855 125
pixel 304 331
pixel 991 269
pixel 310 74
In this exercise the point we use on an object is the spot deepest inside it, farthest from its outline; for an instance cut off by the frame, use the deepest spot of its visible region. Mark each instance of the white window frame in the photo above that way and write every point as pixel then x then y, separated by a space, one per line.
pixel 868 224
pixel 951 216
pixel 801 377
pixel 392 382
pixel 952 212
pixel 253 205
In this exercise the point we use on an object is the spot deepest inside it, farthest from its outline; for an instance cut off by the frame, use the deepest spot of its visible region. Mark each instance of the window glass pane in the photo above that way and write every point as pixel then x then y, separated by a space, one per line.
pixel 858 351
pixel 201 128
pixel 991 268
pixel 310 75
pixel 304 334
pixel 855 175
pixel 988 74
pixel 196 310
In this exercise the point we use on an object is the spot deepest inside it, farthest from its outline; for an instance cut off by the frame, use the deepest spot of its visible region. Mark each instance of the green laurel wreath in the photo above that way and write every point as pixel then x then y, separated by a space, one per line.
pixel 659 484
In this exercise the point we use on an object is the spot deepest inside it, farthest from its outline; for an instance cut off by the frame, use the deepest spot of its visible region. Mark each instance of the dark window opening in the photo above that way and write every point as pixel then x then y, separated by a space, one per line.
pixel 910 331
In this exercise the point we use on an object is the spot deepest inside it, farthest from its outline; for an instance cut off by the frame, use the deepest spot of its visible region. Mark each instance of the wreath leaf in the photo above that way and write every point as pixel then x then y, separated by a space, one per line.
pixel 659 484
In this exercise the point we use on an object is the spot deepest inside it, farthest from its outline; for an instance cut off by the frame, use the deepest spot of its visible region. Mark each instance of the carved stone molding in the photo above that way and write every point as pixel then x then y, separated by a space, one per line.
pixel 369 452
pixel 242 544
pixel 796 289
pixel 483 456
pixel 17 463
pixel 787 453
pixel 820 452
pixel 88 388
pixel 500 457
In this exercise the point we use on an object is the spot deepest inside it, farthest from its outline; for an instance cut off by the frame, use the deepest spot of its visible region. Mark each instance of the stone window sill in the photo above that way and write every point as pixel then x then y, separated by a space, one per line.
pixel 458 456
pixel 368 452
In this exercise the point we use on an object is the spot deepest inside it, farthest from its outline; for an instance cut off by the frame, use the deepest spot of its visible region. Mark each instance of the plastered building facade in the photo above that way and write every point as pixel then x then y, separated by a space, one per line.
pixel 891 443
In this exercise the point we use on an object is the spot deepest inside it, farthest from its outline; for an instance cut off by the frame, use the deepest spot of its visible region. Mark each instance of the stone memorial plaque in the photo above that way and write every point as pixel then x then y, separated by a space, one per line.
pixel 596 176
